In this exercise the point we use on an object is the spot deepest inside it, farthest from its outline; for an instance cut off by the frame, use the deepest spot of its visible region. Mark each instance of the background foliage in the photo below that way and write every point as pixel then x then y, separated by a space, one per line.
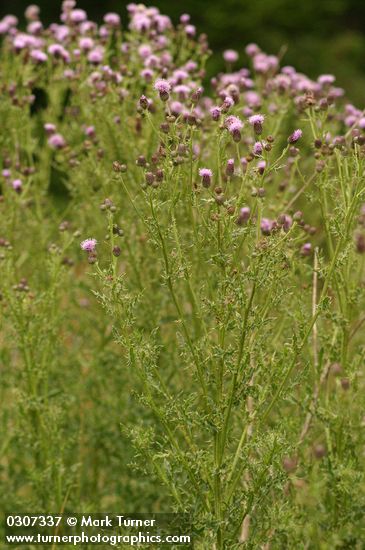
pixel 320 37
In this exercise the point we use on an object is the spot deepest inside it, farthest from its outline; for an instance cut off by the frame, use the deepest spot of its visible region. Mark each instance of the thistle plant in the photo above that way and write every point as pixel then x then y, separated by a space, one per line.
pixel 183 283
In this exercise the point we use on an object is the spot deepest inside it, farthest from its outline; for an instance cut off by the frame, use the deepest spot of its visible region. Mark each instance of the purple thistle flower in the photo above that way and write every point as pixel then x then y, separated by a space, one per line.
pixel 78 16
pixel 57 141
pixel 184 18
pixel 258 148
pixel 306 249
pixel 295 136
pixel 234 125
pixel 38 56
pixel 261 166
pixel 90 131
pixel 50 128
pixel 163 87
pixel 112 19
pixel 252 50
pixel 96 55
pixel 206 174
pixel 244 215
pixel 326 79
pixel 17 185
pixel 230 56
pixel 215 112
pixel 89 245
pixel 190 31
pixel 266 226
pixel 257 121
pixel 230 167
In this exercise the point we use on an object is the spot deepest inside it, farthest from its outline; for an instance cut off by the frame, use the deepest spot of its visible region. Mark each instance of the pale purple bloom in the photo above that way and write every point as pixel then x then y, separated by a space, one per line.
pixel 58 51
pixel 266 226
pixel 258 148
pixel 257 121
pixel 35 27
pixel 90 131
pixel 176 108
pixel 261 166
pixel 86 43
pixel 163 87
pixel 57 141
pixel 295 136
pixel 78 16
pixel 230 56
pixel 32 12
pixel 112 19
pixel 234 126
pixel 244 215
pixel 96 55
pixel 17 184
pixel 206 174
pixel 252 49
pixel 50 128
pixel 190 31
pixel 326 79
pixel 145 51
pixel 215 112
pixel 306 249
pixel 38 56
pixel 89 245
pixel 147 74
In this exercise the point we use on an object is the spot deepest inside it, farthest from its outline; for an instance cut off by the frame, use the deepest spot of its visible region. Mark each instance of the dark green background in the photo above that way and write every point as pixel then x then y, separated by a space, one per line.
pixel 321 36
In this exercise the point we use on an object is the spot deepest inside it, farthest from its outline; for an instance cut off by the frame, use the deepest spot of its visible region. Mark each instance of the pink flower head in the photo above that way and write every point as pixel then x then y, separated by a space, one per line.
pixel 112 19
pixel 257 121
pixel 57 141
pixel 252 50
pixel 78 16
pixel 90 131
pixel 176 108
pixel 206 174
pixel 190 31
pixel 244 215
pixel 32 12
pixel 261 166
pixel 96 55
pixel 234 125
pixel 295 136
pixel 35 27
pixel 215 112
pixel 89 245
pixel 306 249
pixel 266 226
pixel 184 18
pixel 230 56
pixel 326 79
pixel 50 128
pixel 163 87
pixel 86 43
pixel 258 148
pixel 147 74
pixel 17 185
pixel 59 52
pixel 38 56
